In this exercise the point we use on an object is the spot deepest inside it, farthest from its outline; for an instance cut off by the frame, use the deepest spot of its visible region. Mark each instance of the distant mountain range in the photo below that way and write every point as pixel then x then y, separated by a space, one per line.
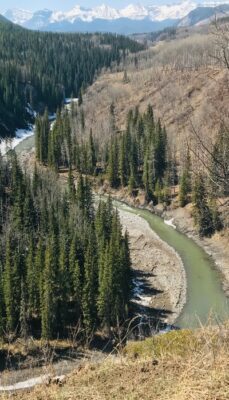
pixel 131 19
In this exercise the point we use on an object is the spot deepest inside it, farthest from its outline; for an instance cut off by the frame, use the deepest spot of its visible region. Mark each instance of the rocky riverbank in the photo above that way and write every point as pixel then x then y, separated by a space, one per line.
pixel 158 268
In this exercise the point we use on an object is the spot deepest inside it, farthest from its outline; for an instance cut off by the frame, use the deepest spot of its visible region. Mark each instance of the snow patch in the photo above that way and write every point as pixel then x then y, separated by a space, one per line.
pixel 69 101
pixel 26 384
pixel 7 144
pixel 18 16
pixel 11 143
pixel 170 223
pixel 136 12
pixel 138 291
pixel 172 11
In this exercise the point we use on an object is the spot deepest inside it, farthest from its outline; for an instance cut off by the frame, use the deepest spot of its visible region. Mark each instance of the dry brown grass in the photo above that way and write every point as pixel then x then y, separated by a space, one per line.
pixel 176 96
pixel 180 82
pixel 177 366
pixel 19 346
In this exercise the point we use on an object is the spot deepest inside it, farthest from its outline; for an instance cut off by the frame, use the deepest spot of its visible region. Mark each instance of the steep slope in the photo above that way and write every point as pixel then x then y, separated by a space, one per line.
pixel 42 69
pixel 178 78
pixel 176 366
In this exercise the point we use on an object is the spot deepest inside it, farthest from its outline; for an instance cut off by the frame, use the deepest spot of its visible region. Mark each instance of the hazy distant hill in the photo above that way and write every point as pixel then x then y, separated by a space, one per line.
pixel 203 15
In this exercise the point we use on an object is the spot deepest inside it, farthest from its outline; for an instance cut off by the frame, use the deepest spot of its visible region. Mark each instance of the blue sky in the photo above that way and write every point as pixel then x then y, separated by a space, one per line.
pixel 68 4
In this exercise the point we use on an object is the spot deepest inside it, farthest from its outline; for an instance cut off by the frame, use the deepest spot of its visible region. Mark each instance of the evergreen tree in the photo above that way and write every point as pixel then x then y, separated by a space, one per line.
pixel 88 201
pixel 90 286
pixel 91 158
pixel 202 212
pixel 80 98
pixel 122 164
pixel 2 319
pixel 132 180
pixel 48 296
pixel 112 118
pixel 23 314
pixel 63 283
pixel 32 282
pixel 146 177
pixel 71 186
pixel 219 164
pixel 105 298
pixel 76 279
pixel 39 263
pixel 160 151
pixel 216 220
pixel 113 175
pixel 185 184
pixel 9 289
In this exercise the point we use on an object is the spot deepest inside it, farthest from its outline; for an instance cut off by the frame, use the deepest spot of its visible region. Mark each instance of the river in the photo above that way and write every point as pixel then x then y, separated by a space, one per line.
pixel 206 300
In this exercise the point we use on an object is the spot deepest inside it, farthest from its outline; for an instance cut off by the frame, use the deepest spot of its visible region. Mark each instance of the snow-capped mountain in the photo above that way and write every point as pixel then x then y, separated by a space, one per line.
pixel 132 11
pixel 172 11
pixel 133 18
pixel 18 16
pixel 86 15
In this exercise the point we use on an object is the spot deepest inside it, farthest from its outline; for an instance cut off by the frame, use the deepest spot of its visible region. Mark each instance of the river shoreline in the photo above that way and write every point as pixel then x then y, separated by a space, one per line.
pixel 216 247
pixel 158 267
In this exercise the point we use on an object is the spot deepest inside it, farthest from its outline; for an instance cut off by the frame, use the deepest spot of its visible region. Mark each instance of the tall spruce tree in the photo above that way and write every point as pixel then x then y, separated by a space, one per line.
pixel 185 183
pixel 202 212
pixel 49 299
pixel 90 285
pixel 23 314
pixel 9 296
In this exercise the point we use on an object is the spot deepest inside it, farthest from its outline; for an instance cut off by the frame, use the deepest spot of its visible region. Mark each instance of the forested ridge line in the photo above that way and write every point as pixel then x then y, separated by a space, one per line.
pixel 40 69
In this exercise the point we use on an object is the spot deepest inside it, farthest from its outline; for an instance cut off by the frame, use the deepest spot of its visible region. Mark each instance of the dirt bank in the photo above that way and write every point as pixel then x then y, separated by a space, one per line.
pixel 157 267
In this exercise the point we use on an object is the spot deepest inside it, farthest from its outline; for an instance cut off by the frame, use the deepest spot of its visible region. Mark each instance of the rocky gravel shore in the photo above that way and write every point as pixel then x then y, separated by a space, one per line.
pixel 157 266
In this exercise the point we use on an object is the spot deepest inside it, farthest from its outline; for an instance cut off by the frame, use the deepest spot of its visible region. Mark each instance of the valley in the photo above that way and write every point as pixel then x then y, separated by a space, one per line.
pixel 114 217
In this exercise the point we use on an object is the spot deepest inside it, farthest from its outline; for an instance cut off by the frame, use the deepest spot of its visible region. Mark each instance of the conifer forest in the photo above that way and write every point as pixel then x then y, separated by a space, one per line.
pixel 62 261
pixel 41 69
pixel 65 258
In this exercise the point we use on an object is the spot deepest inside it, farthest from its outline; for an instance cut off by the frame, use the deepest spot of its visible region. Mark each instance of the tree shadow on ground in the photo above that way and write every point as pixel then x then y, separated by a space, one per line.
pixel 153 319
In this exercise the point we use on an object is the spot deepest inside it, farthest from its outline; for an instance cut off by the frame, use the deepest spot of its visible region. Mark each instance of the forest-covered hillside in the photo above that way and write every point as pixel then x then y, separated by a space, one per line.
pixel 41 69
pixel 62 263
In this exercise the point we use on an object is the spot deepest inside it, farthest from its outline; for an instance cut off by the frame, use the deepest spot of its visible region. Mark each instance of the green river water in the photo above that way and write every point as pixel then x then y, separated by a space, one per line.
pixel 206 301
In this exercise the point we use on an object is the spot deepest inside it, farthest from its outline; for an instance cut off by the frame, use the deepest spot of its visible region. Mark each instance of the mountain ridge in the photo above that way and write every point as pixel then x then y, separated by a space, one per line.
pixel 130 19
pixel 135 12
